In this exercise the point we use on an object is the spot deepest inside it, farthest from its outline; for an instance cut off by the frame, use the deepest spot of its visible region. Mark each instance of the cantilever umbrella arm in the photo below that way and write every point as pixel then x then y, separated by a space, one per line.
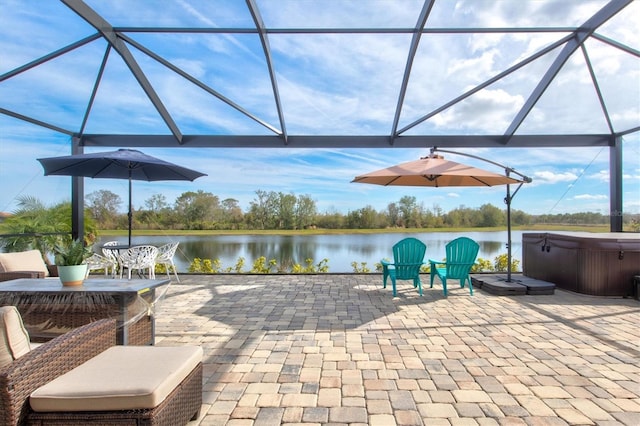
pixel 507 170
pixel 507 199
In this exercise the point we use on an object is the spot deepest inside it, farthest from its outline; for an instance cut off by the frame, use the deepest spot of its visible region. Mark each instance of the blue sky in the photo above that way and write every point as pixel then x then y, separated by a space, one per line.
pixel 324 92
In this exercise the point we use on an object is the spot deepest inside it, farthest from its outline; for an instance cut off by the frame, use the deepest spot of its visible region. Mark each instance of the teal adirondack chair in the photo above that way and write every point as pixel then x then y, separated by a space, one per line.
pixel 408 257
pixel 461 255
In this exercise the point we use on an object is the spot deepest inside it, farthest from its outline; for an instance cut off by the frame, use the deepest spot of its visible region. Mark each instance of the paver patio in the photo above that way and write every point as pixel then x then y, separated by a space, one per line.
pixel 339 349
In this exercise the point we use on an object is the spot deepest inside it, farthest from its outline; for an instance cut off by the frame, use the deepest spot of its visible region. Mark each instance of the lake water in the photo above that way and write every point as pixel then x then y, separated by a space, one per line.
pixel 341 250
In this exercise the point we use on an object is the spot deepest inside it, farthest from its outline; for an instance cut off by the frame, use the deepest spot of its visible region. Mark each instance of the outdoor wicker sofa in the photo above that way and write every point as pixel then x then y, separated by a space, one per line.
pixel 46 362
pixel 25 264
pixel 13 275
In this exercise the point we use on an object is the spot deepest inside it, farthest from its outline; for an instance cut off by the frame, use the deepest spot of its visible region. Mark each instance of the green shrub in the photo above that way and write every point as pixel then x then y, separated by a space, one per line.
pixel 481 265
pixel 260 265
pixel 500 263
pixel 362 269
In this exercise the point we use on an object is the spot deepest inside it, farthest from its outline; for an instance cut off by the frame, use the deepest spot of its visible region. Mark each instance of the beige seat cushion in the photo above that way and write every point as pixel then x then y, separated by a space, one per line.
pixel 30 260
pixel 120 378
pixel 14 339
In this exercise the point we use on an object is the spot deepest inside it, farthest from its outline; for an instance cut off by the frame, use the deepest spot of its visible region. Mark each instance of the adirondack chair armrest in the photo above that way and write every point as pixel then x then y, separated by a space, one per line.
pixel 386 262
pixel 437 262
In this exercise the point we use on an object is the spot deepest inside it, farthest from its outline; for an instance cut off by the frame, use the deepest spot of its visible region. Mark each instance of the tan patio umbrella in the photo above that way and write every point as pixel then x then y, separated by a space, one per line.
pixel 434 171
pixel 437 172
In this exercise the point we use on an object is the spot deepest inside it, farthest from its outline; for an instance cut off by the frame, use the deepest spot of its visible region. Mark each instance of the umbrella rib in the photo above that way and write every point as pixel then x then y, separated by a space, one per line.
pixel 392 180
pixel 481 181
pixel 103 168
pixel 179 173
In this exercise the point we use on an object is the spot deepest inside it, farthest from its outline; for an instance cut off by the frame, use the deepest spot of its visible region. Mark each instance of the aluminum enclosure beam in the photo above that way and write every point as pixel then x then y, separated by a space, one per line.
pixel 413 48
pixel 77 197
pixel 451 141
pixel 580 35
pixel 100 24
pixel 264 40
pixel 615 186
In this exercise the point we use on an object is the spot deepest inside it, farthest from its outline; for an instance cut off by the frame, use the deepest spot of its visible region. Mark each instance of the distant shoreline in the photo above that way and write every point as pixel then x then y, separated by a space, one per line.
pixel 533 228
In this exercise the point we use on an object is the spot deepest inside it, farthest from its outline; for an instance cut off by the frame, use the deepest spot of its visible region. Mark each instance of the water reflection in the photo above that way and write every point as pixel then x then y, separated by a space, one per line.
pixel 341 250
pixel 490 246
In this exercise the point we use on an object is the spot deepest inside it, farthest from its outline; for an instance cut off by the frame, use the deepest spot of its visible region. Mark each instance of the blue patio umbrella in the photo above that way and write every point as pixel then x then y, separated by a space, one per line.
pixel 121 164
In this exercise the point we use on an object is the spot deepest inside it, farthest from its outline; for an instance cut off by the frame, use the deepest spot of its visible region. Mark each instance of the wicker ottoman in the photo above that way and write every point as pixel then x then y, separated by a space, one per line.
pixel 138 385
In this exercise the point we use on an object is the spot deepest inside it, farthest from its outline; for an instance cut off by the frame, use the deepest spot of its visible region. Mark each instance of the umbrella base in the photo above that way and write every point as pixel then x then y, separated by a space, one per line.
pixel 519 285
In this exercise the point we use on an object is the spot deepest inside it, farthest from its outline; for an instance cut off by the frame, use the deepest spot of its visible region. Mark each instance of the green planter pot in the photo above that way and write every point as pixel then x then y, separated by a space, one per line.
pixel 72 275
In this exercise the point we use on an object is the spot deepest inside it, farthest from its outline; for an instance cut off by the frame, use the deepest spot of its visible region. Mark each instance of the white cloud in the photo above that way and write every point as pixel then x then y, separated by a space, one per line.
pixel 486 110
pixel 554 177
pixel 601 175
pixel 591 197
pixel 479 65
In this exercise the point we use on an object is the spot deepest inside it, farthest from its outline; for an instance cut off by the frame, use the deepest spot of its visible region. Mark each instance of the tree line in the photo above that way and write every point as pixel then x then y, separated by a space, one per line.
pixel 200 210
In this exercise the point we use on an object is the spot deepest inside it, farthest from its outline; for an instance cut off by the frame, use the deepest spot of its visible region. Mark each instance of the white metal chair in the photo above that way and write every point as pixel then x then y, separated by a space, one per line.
pixel 139 258
pixel 165 257
pixel 112 255
pixel 97 261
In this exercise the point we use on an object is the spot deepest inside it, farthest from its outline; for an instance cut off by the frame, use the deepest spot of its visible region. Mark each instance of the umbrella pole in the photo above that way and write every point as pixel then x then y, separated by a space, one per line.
pixel 130 214
pixel 508 201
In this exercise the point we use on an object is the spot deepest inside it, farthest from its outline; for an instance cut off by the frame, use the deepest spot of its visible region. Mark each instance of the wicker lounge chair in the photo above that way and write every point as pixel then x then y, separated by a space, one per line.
pixel 51 360
pixel 46 362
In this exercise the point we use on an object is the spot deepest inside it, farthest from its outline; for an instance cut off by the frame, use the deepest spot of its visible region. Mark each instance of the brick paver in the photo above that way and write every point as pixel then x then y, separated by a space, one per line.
pixel 339 349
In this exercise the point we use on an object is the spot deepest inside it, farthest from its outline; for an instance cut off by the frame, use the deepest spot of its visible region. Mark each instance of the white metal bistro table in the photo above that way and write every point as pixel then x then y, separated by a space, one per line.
pixel 48 308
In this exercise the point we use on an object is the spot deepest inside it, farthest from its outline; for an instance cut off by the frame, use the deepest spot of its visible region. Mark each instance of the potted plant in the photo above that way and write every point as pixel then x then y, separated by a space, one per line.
pixel 70 256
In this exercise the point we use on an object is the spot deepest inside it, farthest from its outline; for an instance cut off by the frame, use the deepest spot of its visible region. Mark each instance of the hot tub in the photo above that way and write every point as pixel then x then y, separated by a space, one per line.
pixel 599 264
